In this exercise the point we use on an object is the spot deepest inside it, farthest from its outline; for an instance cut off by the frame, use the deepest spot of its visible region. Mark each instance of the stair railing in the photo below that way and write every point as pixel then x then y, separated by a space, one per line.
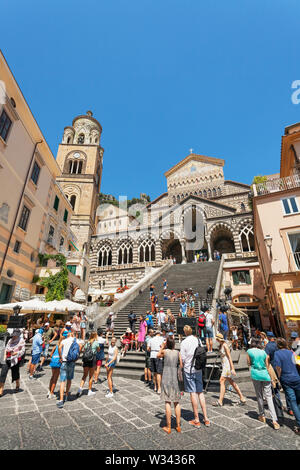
pixel 216 294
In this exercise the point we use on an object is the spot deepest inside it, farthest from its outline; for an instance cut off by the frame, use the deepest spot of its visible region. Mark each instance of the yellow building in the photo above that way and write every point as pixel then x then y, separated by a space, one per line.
pixel 35 214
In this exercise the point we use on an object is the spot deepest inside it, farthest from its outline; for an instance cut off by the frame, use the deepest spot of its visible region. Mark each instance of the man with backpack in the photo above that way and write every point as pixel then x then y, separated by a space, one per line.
pixel 193 356
pixel 149 320
pixel 69 351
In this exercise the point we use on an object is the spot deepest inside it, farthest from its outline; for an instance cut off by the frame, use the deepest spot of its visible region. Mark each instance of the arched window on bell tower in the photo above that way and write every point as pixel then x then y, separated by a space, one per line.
pixel 80 139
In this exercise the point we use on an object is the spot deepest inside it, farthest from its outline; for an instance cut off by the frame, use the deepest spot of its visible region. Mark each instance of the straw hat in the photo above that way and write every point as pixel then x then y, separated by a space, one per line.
pixel 128 330
pixel 220 337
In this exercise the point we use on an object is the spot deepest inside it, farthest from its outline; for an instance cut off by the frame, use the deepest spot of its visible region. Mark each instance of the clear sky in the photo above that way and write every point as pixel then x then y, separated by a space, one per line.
pixel 161 76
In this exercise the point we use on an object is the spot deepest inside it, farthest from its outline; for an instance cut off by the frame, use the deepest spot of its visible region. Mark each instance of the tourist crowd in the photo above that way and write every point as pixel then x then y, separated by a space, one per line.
pixel 168 371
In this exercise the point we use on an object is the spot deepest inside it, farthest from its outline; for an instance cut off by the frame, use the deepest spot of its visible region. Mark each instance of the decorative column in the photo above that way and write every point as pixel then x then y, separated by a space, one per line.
pixel 158 251
pixel 114 261
pixel 182 243
pixel 135 254
pixel 209 249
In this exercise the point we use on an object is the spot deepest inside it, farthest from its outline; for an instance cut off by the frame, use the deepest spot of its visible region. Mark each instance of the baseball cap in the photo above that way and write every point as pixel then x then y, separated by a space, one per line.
pixel 294 334
pixel 47 324
pixel 270 334
pixel 68 323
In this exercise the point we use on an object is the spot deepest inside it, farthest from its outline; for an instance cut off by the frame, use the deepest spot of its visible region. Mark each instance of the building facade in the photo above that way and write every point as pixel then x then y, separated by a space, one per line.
pixel 276 207
pixel 200 212
pixel 35 214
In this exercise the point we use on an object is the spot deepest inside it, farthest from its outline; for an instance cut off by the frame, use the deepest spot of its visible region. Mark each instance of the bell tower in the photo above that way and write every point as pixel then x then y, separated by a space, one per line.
pixel 80 158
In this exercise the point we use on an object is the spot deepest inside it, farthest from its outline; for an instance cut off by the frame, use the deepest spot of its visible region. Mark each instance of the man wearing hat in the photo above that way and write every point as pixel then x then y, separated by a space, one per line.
pixel 295 343
pixel 271 347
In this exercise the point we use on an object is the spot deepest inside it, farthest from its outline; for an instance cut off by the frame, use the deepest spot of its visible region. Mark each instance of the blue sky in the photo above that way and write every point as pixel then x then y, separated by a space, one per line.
pixel 161 76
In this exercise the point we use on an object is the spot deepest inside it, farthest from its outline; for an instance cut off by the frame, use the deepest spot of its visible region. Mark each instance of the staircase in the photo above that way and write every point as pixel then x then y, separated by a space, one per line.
pixel 197 276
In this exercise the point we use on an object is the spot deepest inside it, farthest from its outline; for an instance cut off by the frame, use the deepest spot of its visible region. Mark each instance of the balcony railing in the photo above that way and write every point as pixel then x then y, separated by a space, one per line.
pixel 294 261
pixel 276 185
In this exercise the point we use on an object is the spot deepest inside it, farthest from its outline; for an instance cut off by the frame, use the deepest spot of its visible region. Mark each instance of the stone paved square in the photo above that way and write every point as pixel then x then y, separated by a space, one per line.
pixel 28 420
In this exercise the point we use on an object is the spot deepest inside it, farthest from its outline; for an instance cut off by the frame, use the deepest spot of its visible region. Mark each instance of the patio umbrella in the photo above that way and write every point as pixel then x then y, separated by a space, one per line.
pixel 63 305
pixel 32 305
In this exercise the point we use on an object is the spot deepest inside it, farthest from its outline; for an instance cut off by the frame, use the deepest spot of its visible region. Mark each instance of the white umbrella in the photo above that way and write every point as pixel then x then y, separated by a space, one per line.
pixel 34 305
pixel 63 305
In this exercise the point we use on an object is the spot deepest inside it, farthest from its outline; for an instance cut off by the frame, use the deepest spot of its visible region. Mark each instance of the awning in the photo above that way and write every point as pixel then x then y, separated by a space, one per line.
pixel 291 304
pixel 74 245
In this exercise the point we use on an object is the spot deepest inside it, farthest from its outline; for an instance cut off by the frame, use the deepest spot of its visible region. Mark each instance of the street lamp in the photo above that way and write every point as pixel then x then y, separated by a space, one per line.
pixel 268 241
pixel 17 309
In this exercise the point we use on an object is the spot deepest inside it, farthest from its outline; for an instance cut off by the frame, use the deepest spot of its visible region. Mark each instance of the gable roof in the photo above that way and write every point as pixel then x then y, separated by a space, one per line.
pixel 202 199
pixel 195 157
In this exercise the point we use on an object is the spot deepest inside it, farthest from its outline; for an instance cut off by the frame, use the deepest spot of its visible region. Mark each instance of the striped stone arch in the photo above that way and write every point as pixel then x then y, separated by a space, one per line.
pixel 146 246
pixel 242 222
pixel 124 250
pixel 225 225
pixel 165 235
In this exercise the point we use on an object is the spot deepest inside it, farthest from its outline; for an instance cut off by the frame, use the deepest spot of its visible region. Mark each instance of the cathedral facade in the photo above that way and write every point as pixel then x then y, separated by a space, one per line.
pixel 201 212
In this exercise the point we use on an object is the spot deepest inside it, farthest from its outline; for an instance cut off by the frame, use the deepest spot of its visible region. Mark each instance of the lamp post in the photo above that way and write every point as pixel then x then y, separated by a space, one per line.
pixel 268 241
pixel 17 310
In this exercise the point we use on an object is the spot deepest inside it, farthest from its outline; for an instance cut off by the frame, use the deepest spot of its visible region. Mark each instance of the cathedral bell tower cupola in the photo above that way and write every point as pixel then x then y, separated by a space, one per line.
pixel 80 158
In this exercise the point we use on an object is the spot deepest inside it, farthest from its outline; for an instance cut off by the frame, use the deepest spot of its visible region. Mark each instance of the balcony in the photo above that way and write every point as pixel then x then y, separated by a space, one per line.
pixel 277 185
pixel 294 261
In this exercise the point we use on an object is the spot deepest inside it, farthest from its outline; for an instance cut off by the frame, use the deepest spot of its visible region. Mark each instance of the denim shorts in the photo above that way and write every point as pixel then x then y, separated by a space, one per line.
pixel 209 333
pixel 193 382
pixel 67 371
pixel 35 358
pixel 45 351
pixel 113 365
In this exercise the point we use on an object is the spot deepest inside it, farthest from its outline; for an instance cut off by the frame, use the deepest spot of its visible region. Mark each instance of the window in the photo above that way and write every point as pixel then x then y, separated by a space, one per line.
pixel 56 203
pixel 35 173
pixel 84 274
pixel 241 277
pixel 50 234
pixel 17 246
pixel 80 139
pixel 61 241
pixel 71 268
pixel 66 215
pixel 294 239
pixel 244 299
pixel 5 124
pixel 290 206
pixel 73 201
pixel 24 218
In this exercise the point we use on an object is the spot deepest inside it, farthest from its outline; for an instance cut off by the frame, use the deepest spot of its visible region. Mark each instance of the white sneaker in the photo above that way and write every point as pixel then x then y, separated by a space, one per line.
pixel 91 393
pixel 79 393
pixel 109 395
pixel 50 395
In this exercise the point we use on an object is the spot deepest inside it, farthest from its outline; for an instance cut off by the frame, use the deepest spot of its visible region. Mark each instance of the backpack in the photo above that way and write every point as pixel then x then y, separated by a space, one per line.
pixel 149 320
pixel 201 321
pixel 199 358
pixel 55 362
pixel 108 321
pixel 74 352
pixel 88 354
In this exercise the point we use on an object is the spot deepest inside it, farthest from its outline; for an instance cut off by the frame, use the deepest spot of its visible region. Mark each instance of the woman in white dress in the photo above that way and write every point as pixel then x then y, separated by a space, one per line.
pixel 228 372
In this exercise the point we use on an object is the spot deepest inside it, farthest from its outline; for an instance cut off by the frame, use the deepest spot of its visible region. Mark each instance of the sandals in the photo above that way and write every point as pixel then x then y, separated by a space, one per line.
pixel 207 423
pixel 194 423
pixel 178 428
pixel 217 403
pixel 167 430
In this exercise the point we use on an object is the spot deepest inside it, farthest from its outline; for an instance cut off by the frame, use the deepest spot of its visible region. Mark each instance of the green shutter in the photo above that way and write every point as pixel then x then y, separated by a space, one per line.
pixel 235 278
pixel 71 268
pixel 248 277
pixel 66 215
pixel 56 203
